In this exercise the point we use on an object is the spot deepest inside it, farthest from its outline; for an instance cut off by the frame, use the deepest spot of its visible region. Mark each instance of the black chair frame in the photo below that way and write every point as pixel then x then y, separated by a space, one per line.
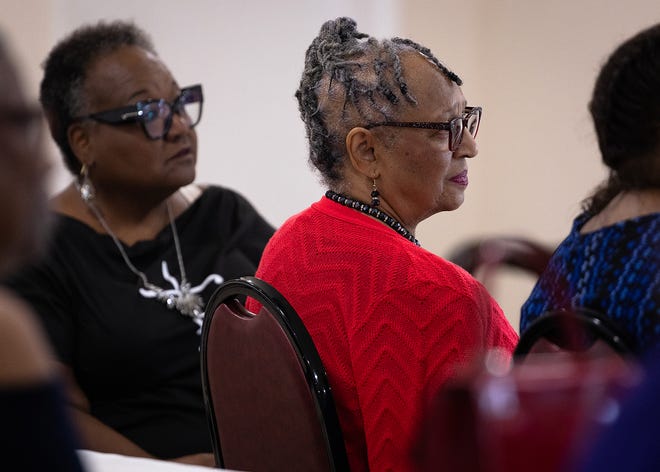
pixel 574 330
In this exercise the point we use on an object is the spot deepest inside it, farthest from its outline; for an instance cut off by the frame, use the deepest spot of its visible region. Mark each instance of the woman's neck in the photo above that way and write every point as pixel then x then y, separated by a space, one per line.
pixel 129 221
pixel 624 206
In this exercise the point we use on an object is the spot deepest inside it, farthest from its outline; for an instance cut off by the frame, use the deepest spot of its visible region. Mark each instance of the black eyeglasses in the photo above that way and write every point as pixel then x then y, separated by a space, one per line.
pixel 155 115
pixel 469 121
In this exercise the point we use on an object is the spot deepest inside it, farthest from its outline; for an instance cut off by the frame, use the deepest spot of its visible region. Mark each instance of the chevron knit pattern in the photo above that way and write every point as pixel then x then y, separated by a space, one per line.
pixel 390 320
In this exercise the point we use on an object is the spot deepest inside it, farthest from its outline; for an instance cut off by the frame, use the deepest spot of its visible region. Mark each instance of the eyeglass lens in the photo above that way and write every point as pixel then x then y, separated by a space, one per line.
pixel 471 122
pixel 157 116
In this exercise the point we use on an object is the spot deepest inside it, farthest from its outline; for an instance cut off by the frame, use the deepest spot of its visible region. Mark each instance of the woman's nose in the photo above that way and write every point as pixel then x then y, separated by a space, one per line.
pixel 180 125
pixel 468 146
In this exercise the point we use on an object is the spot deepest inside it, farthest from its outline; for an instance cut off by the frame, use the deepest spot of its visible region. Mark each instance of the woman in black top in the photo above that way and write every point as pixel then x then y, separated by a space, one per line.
pixel 137 250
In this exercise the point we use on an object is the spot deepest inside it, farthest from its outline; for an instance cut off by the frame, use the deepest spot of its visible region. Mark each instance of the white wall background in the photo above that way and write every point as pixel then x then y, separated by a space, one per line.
pixel 530 63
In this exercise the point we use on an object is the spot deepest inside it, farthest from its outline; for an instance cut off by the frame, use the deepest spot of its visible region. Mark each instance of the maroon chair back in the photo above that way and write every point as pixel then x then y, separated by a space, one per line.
pixel 482 256
pixel 540 415
pixel 267 396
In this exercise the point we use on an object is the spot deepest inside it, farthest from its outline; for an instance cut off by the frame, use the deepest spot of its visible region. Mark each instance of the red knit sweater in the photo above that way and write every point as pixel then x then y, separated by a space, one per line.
pixel 391 322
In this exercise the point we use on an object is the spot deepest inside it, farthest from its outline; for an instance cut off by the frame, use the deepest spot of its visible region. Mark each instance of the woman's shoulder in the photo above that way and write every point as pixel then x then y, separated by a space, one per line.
pixel 436 285
pixel 430 268
pixel 215 196
pixel 631 209
pixel 220 210
pixel 624 232
pixel 638 232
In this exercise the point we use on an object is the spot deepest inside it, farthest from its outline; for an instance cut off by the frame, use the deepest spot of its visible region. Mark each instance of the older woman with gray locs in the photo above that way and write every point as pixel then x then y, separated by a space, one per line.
pixel 138 247
pixel 391 134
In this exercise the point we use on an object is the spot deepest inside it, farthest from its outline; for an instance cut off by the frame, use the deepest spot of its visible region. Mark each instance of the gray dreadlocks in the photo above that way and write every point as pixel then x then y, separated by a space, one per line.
pixel 350 78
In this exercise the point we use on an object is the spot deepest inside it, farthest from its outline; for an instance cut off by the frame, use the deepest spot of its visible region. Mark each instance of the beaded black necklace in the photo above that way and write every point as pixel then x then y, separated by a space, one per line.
pixel 372 211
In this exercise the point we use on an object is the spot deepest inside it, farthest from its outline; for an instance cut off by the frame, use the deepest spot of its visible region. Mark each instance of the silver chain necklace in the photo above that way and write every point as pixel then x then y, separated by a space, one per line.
pixel 181 296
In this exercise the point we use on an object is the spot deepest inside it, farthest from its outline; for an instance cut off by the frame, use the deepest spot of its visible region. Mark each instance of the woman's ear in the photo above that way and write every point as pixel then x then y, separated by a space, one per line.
pixel 360 149
pixel 79 142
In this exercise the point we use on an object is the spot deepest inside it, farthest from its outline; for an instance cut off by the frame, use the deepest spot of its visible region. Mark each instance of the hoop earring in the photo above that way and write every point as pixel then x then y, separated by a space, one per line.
pixel 375 200
pixel 85 186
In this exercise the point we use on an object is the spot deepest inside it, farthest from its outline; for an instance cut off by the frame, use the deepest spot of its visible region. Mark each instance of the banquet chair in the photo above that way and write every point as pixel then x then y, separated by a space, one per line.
pixel 542 414
pixel 267 396
pixel 578 331
pixel 479 255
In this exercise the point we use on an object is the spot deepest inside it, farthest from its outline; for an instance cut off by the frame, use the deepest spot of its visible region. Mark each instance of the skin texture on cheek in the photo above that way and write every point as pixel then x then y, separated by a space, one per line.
pixel 417 164
pixel 418 170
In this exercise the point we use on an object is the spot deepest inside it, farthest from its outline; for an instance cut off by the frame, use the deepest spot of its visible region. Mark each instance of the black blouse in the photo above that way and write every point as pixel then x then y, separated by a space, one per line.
pixel 135 359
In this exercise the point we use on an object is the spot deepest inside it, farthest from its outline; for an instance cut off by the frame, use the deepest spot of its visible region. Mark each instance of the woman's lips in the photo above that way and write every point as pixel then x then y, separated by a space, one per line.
pixel 183 152
pixel 460 179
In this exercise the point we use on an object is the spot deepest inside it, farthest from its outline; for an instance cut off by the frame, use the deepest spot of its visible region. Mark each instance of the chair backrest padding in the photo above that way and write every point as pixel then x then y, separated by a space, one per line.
pixel 269 403
pixel 271 398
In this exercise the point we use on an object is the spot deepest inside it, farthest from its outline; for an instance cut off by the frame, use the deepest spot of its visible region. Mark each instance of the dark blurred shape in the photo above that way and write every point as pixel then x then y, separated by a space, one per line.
pixel 538 415
pixel 577 331
pixel 478 256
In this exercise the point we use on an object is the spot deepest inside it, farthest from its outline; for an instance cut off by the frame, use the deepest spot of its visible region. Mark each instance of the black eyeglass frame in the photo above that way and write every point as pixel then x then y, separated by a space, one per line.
pixel 135 113
pixel 454 142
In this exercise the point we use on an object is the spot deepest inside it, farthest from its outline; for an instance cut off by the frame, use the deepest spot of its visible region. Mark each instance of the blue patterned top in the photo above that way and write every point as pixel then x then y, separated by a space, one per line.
pixel 614 270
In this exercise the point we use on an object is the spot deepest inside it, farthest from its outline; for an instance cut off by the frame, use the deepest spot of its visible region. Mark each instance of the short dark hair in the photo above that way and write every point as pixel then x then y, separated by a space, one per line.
pixel 65 71
pixel 366 73
pixel 625 107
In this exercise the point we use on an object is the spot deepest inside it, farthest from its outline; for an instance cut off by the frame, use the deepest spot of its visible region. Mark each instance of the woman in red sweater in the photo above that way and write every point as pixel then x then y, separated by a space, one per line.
pixel 386 124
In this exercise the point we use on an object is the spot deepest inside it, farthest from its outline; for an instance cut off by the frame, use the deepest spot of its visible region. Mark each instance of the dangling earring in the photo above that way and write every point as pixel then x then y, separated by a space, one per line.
pixel 85 186
pixel 375 200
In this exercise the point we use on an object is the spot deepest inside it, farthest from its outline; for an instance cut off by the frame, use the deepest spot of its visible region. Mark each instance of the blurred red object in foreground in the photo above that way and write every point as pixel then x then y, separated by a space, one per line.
pixel 540 414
